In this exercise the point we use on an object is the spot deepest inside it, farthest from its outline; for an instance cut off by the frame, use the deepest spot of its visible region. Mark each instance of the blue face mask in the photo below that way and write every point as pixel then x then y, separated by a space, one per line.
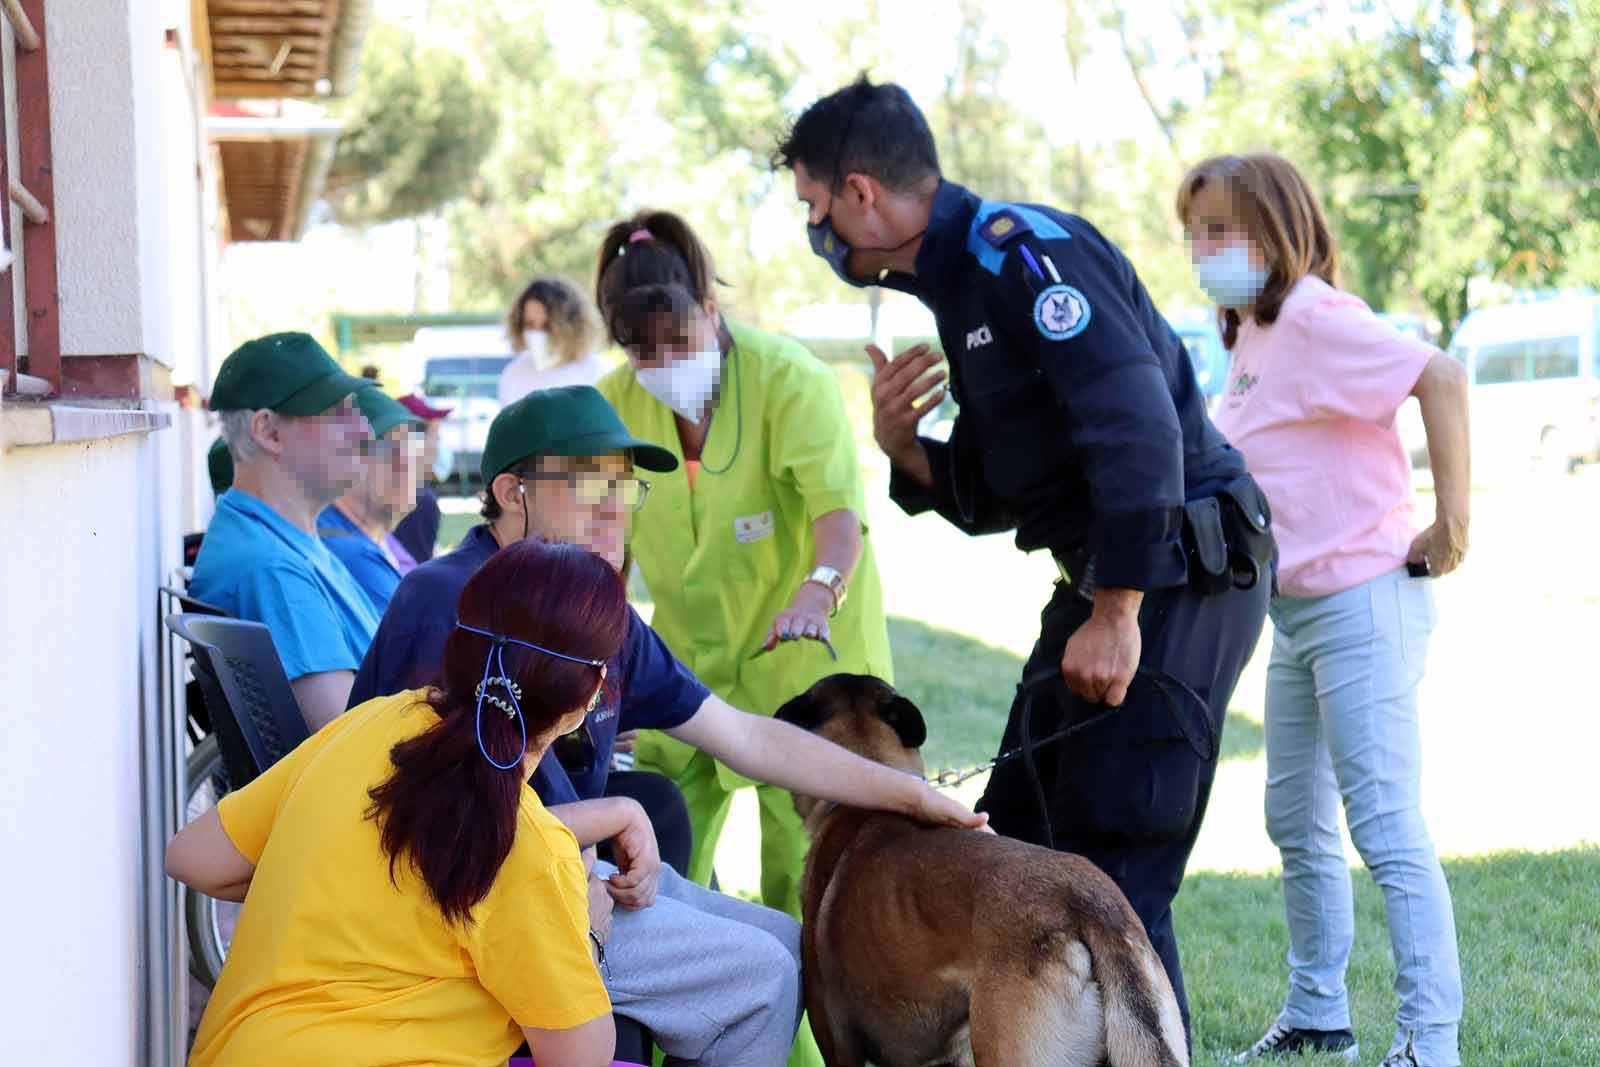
pixel 826 242
pixel 1230 279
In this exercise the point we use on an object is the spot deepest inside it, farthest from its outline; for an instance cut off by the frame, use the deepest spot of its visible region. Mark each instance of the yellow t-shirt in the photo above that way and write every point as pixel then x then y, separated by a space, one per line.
pixel 332 963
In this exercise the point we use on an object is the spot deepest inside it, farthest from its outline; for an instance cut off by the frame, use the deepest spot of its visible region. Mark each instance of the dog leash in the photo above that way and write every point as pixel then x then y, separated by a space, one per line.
pixel 800 637
pixel 1049 674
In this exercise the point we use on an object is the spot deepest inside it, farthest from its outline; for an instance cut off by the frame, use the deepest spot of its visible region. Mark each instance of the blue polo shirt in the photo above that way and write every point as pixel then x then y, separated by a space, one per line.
pixel 366 561
pixel 652 690
pixel 256 565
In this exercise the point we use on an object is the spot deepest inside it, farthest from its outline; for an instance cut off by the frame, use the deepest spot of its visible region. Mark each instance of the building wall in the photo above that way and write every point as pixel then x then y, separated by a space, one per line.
pixel 89 530
pixel 83 539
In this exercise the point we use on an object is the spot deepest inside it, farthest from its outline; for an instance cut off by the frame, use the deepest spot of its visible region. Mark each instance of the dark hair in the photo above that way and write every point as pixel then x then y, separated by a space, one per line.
pixel 876 130
pixel 570 327
pixel 1278 208
pixel 491 509
pixel 671 255
pixel 445 810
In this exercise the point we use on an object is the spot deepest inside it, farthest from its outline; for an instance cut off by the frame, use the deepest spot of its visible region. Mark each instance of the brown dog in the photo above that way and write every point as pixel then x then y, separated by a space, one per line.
pixel 925 945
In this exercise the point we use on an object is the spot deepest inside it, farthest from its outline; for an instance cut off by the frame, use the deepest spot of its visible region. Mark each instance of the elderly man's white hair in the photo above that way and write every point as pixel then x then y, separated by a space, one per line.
pixel 236 431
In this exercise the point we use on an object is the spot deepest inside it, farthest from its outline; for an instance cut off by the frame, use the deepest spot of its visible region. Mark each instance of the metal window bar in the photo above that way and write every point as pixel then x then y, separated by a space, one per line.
pixel 30 329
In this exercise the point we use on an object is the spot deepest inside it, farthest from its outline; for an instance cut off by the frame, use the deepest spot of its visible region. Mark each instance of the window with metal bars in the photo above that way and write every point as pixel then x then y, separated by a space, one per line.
pixel 30 334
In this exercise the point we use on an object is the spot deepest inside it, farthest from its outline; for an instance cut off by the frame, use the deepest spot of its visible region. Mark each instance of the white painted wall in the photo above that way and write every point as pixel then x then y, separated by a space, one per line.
pixel 93 142
pixel 81 546
pixel 88 532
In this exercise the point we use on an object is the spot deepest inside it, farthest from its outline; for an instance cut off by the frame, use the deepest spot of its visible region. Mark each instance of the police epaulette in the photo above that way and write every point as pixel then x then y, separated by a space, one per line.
pixel 1003 227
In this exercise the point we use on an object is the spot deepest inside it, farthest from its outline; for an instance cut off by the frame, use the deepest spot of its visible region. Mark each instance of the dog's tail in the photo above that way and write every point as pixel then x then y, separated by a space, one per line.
pixel 1143 1025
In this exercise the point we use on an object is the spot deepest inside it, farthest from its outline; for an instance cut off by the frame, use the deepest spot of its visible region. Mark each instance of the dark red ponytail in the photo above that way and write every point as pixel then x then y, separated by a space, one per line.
pixel 446 810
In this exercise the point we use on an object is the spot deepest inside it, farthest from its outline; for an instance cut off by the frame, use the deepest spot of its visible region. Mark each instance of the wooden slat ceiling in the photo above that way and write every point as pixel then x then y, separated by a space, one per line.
pixel 261 182
pixel 270 48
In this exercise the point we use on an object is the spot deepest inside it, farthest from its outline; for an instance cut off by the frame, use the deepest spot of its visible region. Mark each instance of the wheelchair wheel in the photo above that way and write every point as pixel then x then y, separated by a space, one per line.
pixel 210 921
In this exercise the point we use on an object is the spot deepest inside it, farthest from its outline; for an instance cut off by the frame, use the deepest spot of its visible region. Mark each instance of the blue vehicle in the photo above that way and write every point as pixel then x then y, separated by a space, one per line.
pixel 1201 338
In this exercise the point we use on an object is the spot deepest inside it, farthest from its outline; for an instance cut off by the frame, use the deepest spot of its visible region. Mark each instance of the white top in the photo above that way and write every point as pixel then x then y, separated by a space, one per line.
pixel 522 376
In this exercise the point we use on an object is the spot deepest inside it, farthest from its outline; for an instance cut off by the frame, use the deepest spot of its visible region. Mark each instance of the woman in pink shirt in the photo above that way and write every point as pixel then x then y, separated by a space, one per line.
pixel 1317 380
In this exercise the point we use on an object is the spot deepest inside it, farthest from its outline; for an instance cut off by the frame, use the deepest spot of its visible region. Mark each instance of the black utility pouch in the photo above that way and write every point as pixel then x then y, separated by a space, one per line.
pixel 1207 547
pixel 1247 524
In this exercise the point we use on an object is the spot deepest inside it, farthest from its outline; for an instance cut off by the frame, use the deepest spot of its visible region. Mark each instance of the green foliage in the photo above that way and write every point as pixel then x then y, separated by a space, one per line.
pixel 1452 140
pixel 417 128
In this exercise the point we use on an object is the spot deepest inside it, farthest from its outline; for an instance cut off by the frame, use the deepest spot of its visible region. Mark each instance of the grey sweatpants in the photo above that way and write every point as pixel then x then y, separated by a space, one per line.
pixel 716 980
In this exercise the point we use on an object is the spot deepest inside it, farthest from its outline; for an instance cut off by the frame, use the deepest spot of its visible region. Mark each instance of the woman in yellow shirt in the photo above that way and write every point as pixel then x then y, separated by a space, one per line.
pixel 407 899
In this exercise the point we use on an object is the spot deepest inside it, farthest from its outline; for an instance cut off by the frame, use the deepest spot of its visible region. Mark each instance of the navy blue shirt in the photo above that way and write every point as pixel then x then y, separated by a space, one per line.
pixel 652 690
pixel 1082 426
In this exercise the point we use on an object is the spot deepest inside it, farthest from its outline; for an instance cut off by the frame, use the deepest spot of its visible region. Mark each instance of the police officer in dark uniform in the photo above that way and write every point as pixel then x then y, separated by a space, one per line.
pixel 1083 429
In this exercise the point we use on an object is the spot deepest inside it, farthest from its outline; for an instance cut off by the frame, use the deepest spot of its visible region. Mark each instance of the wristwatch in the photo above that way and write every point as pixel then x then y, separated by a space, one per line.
pixel 833 582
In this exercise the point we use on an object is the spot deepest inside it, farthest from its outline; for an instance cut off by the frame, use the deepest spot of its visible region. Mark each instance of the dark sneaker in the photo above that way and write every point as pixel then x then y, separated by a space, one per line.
pixel 1404 1058
pixel 1284 1041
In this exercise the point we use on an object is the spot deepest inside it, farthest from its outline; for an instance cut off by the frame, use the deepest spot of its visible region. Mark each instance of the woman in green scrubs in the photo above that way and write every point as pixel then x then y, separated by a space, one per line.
pixel 756 542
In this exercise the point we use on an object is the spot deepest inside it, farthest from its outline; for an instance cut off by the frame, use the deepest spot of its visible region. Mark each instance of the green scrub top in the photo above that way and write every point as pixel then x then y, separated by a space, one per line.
pixel 723 559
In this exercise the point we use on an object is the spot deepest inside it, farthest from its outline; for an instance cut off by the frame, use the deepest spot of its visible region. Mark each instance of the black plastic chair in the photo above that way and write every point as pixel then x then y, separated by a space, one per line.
pixel 254 712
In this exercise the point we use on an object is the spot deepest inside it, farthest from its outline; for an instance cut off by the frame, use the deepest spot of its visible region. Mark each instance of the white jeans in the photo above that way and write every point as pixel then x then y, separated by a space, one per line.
pixel 1341 724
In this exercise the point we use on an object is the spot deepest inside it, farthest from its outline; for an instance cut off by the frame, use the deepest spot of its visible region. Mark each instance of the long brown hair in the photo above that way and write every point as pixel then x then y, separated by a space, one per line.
pixel 571 327
pixel 446 810
pixel 655 249
pixel 1278 208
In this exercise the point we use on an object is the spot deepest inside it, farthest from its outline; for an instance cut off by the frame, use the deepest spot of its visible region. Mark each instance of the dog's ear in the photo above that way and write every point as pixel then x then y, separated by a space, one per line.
pixel 801 711
pixel 905 719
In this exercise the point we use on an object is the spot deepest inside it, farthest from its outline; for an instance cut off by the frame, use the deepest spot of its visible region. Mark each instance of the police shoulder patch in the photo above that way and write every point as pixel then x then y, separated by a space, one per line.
pixel 1003 226
pixel 1061 312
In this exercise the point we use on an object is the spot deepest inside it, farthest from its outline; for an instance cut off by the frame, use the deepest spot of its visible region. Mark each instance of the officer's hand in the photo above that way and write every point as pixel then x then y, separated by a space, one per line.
pixel 1443 546
pixel 896 384
pixel 1101 657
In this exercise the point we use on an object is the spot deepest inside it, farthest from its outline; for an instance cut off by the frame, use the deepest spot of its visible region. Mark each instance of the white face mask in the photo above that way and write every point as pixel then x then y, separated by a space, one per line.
pixel 1229 278
pixel 685 385
pixel 537 345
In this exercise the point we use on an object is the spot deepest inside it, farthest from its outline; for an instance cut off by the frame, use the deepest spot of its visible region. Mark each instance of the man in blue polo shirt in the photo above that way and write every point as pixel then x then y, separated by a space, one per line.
pixel 359 526
pixel 295 438
pixel 716 980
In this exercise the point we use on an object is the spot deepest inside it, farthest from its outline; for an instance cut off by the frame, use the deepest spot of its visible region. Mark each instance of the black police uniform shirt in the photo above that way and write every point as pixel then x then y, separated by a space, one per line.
pixel 646 687
pixel 1081 424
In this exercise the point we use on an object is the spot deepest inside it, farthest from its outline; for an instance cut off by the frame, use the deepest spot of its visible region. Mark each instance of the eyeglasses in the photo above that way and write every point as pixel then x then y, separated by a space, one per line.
pixel 593 490
pixel 576 752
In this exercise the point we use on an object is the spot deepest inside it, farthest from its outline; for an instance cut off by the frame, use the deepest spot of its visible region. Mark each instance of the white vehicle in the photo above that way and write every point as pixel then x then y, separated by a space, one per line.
pixel 1535 373
pixel 461 371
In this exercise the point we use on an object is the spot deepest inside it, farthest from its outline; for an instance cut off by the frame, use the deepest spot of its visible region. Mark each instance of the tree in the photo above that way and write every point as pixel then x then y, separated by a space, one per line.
pixel 417 129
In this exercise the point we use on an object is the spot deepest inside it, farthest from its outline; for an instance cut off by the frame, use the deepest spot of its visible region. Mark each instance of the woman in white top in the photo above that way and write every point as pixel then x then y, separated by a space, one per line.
pixel 553 336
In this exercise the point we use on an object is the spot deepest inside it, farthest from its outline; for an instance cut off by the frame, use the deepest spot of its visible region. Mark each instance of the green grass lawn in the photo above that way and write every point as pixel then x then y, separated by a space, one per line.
pixel 1508 741
pixel 1530 958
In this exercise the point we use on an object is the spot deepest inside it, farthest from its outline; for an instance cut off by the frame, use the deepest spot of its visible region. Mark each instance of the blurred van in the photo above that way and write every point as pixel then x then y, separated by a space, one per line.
pixel 1535 374
pixel 461 368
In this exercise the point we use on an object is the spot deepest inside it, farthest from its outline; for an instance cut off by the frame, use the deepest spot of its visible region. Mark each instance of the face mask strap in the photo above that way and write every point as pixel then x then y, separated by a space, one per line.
pixel 494 661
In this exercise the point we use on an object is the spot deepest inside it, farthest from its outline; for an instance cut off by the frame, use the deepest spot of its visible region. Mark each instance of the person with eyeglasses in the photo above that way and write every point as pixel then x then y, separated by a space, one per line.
pixel 359 527
pixel 407 899
pixel 757 538
pixel 714 979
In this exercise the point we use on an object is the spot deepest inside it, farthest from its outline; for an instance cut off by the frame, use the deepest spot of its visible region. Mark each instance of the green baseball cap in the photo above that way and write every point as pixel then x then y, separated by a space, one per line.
pixel 219 464
pixel 574 420
pixel 383 411
pixel 284 372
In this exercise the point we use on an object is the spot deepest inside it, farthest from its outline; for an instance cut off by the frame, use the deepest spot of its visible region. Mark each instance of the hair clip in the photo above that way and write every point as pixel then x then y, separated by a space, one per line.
pixel 505 683
pixel 641 234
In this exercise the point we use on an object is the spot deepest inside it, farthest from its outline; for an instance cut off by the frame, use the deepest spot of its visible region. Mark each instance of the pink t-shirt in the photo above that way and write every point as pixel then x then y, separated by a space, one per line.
pixel 1311 402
